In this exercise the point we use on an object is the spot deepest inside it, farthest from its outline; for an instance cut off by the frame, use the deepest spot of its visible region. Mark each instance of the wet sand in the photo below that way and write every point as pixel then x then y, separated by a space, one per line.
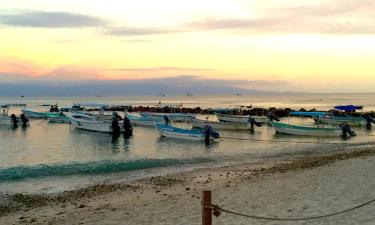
pixel 297 187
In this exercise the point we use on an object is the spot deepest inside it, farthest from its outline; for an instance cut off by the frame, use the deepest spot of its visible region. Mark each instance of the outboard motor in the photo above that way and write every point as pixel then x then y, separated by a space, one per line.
pixel 271 116
pixel 369 121
pixel 128 127
pixel 346 130
pixel 253 123
pixel 116 130
pixel 166 119
pixel 14 120
pixel 209 132
pixel 24 120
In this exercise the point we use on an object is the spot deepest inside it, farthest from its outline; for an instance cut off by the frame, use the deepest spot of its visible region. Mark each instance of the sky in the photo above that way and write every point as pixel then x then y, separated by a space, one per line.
pixel 276 45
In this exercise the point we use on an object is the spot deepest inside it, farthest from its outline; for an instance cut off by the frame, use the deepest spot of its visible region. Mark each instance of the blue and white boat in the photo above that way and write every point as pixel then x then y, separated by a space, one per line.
pixel 33 114
pixel 285 128
pixel 219 125
pixel 58 118
pixel 319 130
pixel 143 121
pixel 185 134
pixel 177 117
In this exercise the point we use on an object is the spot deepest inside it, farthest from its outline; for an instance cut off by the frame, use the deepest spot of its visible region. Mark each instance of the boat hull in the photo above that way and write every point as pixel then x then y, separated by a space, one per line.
pixel 58 119
pixel 34 115
pixel 220 125
pixel 352 121
pixel 5 120
pixel 142 121
pixel 306 131
pixel 177 117
pixel 241 119
pixel 178 133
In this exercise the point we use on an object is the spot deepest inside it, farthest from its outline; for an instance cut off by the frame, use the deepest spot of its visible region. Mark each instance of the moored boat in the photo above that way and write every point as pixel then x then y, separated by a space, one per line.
pixel 58 118
pixel 240 118
pixel 186 134
pixel 218 125
pixel 177 117
pixel 143 121
pixel 93 122
pixel 285 128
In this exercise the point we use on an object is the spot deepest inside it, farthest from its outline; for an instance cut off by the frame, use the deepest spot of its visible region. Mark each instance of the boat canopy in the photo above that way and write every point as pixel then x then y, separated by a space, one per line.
pixel 348 107
pixel 312 114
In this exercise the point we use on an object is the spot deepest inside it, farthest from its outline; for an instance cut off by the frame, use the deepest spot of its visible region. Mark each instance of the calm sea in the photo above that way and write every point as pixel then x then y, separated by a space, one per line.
pixel 50 158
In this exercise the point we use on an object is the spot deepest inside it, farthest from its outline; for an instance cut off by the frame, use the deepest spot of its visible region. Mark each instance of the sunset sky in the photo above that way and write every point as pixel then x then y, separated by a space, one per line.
pixel 295 45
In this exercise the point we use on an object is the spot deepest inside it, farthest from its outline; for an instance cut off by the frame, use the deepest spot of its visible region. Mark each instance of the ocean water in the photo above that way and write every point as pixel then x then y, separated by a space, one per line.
pixel 48 158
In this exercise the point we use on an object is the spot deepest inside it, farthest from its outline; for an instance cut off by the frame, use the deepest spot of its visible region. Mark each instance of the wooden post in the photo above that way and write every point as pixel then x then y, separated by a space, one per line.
pixel 206 208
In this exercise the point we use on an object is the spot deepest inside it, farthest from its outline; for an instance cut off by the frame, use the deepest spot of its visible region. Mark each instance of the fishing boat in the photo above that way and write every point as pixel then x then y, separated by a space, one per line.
pixel 355 121
pixel 5 119
pixel 142 121
pixel 219 125
pixel 285 128
pixel 58 118
pixel 240 118
pixel 177 117
pixel 41 114
pixel 33 114
pixel 186 134
pixel 92 122
pixel 306 130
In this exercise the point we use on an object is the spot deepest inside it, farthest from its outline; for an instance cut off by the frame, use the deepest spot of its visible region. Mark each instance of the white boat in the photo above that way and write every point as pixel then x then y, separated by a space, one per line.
pixel 240 118
pixel 285 128
pixel 177 117
pixel 93 122
pixel 179 133
pixel 337 120
pixel 143 121
pixel 218 125
pixel 5 119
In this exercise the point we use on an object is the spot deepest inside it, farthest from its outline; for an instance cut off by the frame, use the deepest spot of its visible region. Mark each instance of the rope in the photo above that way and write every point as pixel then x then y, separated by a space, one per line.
pixel 279 141
pixel 219 209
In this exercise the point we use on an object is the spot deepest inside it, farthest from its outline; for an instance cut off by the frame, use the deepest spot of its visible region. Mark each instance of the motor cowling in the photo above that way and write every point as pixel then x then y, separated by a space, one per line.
pixel 14 120
pixel 346 130
pixel 369 121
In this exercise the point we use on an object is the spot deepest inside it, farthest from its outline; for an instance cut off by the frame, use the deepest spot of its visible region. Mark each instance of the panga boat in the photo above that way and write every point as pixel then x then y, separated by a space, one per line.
pixel 330 118
pixel 218 125
pixel 93 122
pixel 177 117
pixel 318 130
pixel 285 128
pixel 179 133
pixel 142 121
pixel 58 118
pixel 34 115
pixel 5 119
pixel 240 118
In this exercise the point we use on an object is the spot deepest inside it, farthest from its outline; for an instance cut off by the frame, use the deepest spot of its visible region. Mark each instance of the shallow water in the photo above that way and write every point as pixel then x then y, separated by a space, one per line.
pixel 47 157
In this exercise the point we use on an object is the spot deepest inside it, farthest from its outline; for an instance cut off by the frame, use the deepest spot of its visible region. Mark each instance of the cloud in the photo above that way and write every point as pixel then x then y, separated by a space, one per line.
pixel 42 19
pixel 334 17
pixel 161 69
pixel 137 31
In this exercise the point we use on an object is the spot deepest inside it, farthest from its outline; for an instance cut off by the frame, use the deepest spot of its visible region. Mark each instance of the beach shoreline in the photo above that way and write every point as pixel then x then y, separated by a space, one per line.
pixel 50 209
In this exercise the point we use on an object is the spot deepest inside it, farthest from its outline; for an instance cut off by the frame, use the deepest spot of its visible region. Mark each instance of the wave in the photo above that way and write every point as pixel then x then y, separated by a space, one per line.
pixel 90 168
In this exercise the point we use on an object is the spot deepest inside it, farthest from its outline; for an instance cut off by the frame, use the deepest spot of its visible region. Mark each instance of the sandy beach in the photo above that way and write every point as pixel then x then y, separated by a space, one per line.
pixel 298 187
